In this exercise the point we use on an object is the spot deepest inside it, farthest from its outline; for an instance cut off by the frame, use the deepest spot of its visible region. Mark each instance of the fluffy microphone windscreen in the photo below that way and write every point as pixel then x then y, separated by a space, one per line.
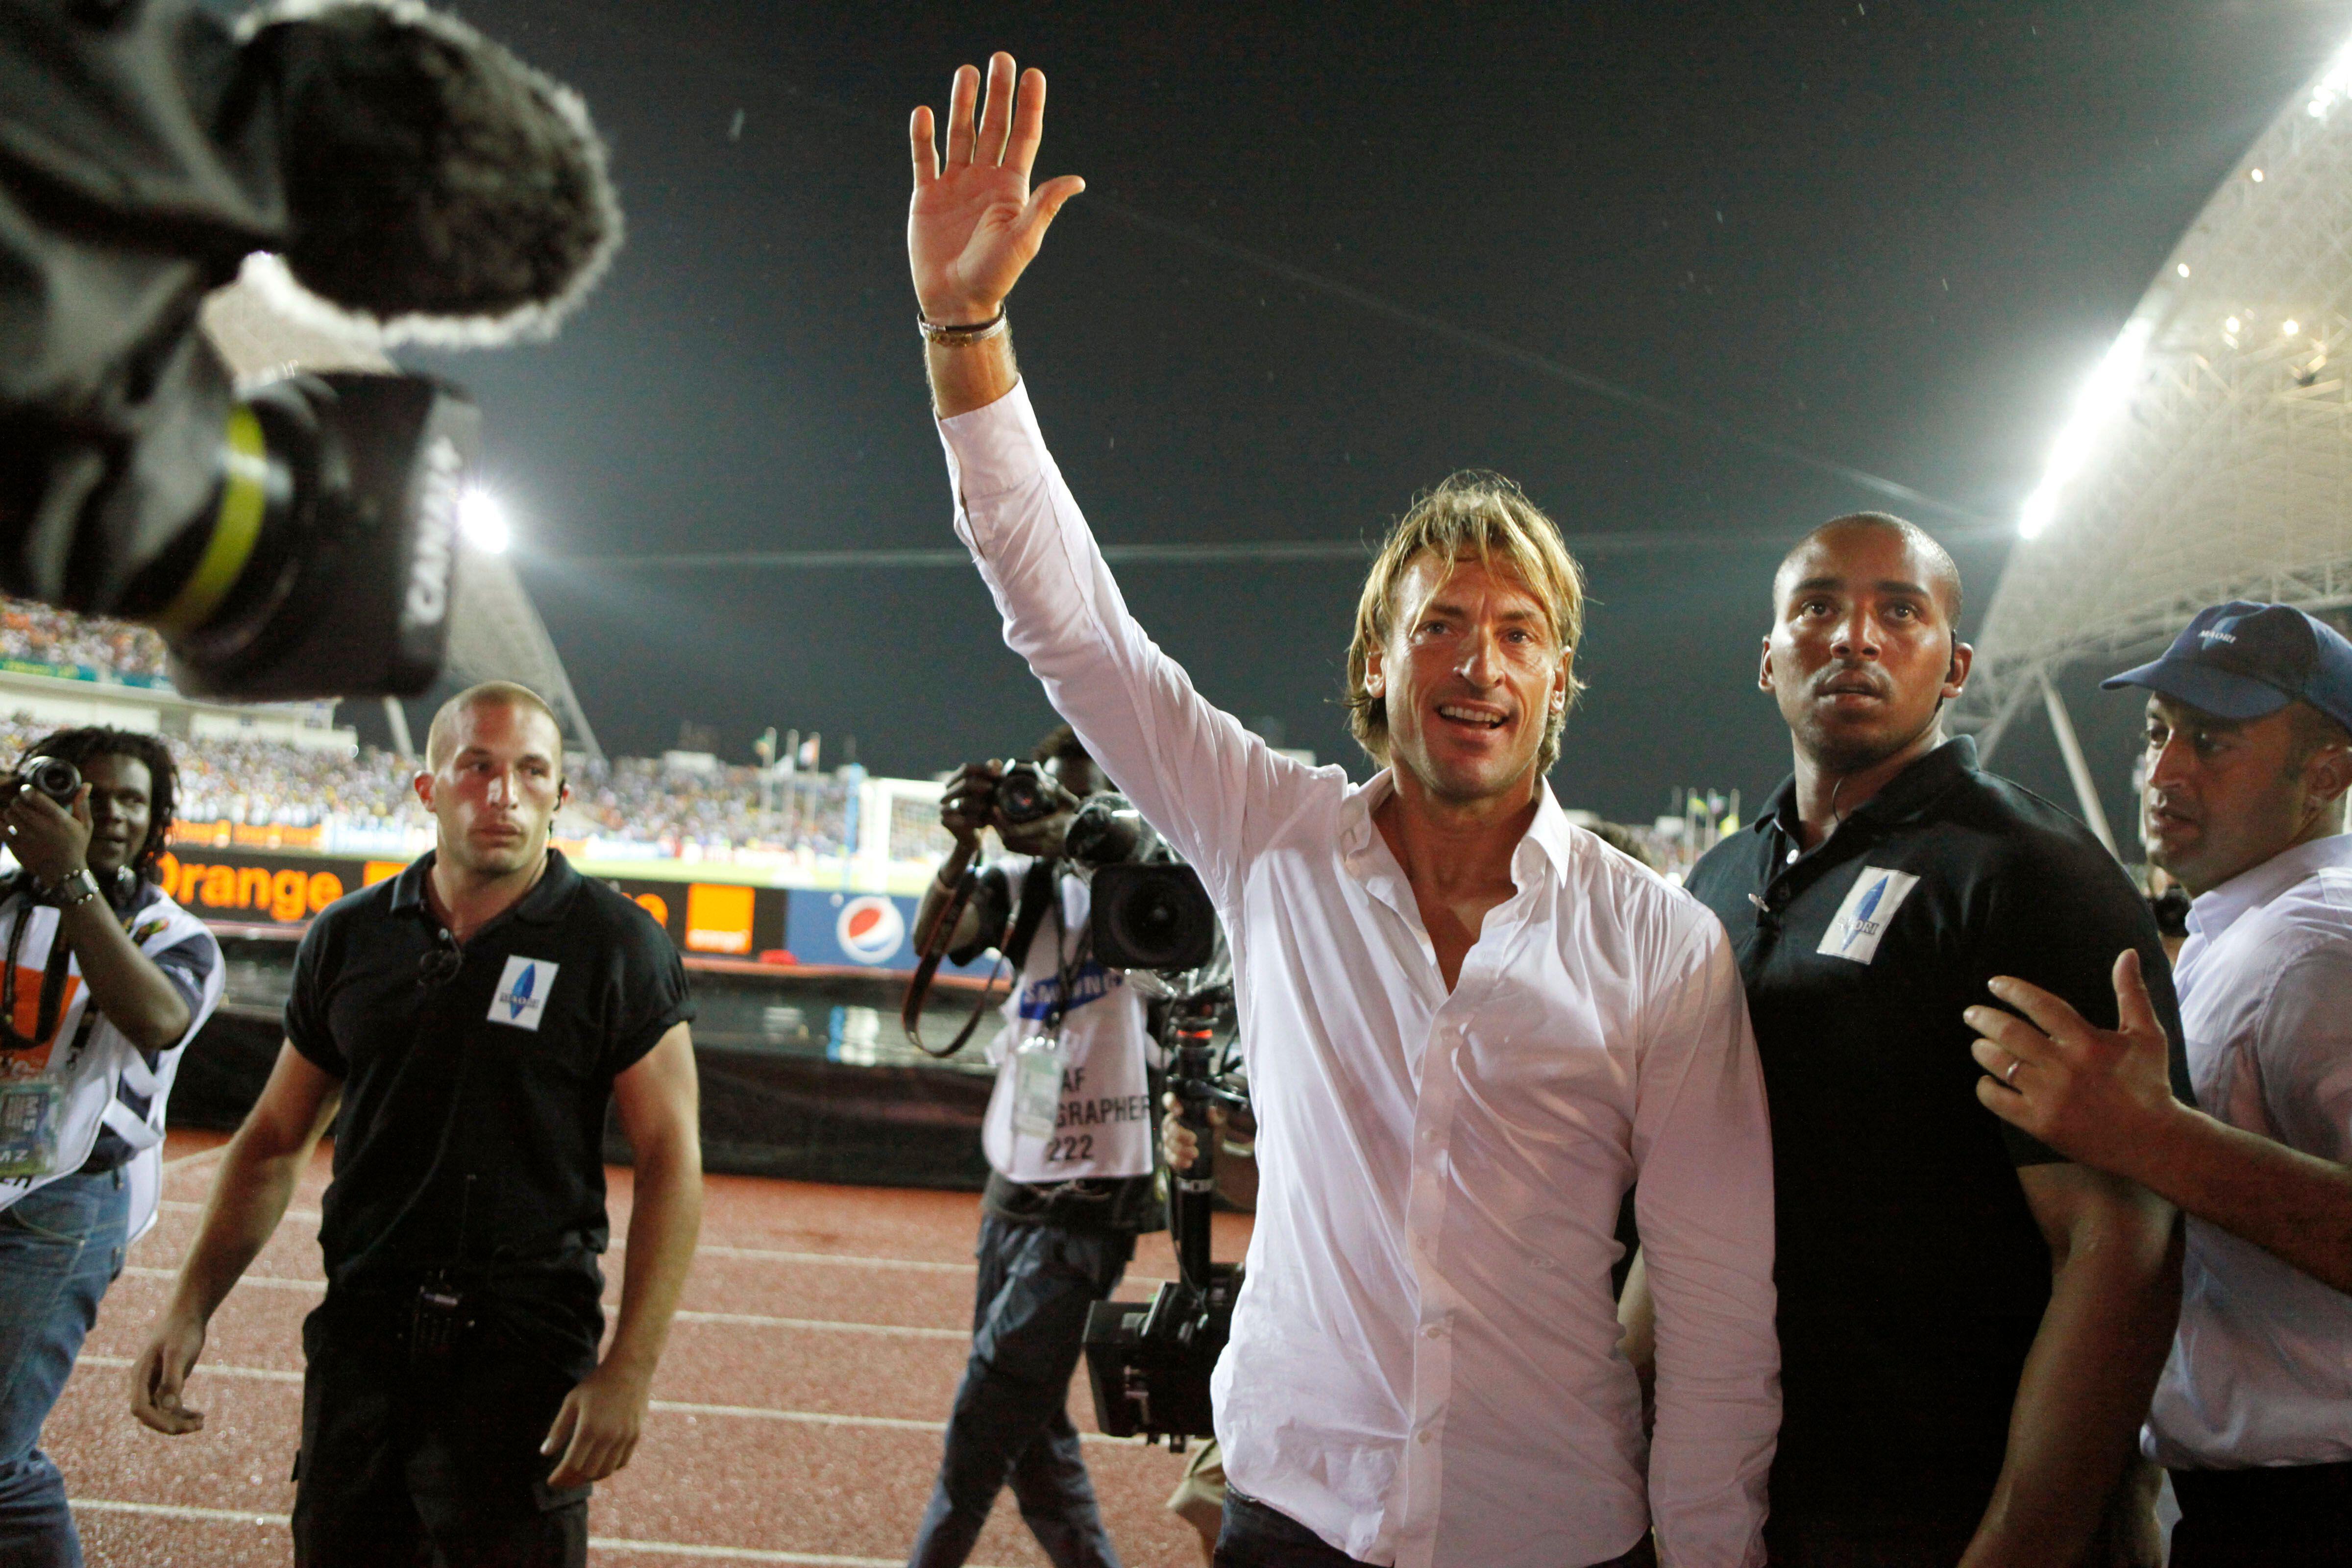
pixel 439 187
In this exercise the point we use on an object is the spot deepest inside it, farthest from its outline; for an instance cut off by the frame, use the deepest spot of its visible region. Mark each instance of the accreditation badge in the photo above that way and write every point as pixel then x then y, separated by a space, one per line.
pixel 31 1110
pixel 1037 1085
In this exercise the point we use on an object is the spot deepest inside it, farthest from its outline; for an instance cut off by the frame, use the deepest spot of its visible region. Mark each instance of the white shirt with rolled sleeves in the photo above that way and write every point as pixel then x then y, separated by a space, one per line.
pixel 1424 1367
pixel 2261 1372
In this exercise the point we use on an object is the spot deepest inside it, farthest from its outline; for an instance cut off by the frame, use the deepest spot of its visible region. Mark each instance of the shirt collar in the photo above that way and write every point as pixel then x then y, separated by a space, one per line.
pixel 543 904
pixel 1550 835
pixel 1905 795
pixel 2216 909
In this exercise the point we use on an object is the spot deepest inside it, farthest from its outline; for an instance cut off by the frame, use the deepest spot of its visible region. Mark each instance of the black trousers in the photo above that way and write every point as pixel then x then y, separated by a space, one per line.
pixel 411 1460
pixel 1011 1425
pixel 1255 1536
pixel 2290 1516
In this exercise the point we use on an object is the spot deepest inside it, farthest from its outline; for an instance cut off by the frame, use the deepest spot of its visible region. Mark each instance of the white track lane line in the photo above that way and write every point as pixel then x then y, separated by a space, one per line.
pixel 181 1206
pixel 595 1542
pixel 746 1319
pixel 745 1253
pixel 670 1406
pixel 263 1374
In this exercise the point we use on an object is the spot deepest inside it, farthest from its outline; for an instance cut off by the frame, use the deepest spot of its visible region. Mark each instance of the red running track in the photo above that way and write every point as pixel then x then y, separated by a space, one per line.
pixel 797 1416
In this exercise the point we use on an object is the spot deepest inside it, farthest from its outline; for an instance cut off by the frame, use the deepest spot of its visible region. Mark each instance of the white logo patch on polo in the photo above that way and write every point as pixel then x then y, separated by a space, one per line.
pixel 1869 908
pixel 521 995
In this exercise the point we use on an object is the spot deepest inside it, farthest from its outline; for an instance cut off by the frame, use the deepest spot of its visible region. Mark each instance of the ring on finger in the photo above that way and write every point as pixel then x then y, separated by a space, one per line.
pixel 2008 1074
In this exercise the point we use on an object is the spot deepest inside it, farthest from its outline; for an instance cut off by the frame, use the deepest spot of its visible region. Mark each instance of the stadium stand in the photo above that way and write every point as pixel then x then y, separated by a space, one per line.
pixel 2205 459
pixel 629 800
pixel 77 648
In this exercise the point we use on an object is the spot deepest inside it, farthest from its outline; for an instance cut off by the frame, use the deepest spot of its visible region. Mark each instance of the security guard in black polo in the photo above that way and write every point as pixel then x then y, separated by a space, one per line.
pixel 471 1019
pixel 1925 1247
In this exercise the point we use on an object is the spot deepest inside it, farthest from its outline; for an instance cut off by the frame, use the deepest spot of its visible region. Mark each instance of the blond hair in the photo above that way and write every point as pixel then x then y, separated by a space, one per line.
pixel 1473 514
pixel 494 693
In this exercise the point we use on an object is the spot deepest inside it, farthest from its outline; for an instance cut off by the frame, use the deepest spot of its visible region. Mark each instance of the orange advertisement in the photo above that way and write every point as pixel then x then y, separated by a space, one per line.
pixel 719 917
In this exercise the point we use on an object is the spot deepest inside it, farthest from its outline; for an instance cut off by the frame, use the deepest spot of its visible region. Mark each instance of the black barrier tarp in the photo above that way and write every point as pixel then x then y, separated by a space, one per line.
pixel 778 1096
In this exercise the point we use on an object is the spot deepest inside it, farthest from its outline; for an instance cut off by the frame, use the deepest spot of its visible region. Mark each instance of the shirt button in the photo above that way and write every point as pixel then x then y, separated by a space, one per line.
pixel 1423 1435
pixel 1792 855
pixel 1434 1331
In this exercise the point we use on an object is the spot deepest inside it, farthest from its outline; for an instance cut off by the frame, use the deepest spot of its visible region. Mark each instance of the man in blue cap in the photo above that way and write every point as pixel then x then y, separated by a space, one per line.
pixel 2250 757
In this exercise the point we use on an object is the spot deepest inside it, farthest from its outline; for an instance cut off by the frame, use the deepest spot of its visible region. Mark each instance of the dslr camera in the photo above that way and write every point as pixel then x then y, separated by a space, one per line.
pixel 52 776
pixel 407 177
pixel 1027 794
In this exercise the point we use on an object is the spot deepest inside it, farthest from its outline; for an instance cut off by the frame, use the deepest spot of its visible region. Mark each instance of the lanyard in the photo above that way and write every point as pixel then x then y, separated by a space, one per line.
pixel 1066 964
pixel 53 982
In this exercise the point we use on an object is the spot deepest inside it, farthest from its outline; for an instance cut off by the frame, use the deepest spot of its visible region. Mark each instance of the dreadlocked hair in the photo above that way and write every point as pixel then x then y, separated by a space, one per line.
pixel 78 746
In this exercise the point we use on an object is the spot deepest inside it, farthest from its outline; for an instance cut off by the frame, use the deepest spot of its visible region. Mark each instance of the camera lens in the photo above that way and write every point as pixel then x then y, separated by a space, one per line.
pixel 1152 916
pixel 1151 920
pixel 1024 794
pixel 323 565
pixel 54 777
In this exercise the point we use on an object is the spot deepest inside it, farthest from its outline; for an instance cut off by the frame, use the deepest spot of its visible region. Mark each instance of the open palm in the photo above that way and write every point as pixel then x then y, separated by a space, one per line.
pixel 974 225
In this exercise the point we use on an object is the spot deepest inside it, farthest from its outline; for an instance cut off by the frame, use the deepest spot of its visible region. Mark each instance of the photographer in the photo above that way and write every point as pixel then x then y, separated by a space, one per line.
pixel 112 979
pixel 1068 1139
pixel 1469 1025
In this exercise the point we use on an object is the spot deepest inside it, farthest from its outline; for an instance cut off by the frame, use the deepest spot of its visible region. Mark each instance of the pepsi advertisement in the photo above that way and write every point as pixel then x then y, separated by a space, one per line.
pixel 858 931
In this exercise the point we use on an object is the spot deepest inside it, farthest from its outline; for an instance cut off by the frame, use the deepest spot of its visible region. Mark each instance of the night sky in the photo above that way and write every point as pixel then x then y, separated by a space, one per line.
pixel 1328 256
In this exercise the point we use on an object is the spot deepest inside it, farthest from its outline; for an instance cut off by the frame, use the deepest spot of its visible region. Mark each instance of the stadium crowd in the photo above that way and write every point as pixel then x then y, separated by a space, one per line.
pixel 106 650
pixel 637 800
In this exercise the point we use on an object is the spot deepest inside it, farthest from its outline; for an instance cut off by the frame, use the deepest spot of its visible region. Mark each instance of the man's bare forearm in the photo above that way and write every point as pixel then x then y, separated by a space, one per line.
pixel 2294 1205
pixel 934 904
pixel 965 376
pixel 250 1192
pixel 665 1225
pixel 135 995
pixel 2084 1390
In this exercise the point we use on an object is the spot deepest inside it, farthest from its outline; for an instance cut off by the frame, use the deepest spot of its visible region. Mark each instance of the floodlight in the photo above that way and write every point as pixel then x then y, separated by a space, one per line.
pixel 2231 325
pixel 2257 176
pixel 2107 390
pixel 482 517
pixel 2289 328
pixel 2182 269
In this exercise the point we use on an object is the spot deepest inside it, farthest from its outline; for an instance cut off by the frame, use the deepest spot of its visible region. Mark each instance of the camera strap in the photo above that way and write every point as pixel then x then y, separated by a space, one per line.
pixel 53 986
pixel 1037 888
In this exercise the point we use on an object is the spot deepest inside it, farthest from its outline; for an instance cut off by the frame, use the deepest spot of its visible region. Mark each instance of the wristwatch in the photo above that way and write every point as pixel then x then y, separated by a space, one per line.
pixel 74 889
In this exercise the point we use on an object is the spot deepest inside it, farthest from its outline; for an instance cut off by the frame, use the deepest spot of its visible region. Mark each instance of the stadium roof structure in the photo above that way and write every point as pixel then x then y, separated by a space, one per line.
pixel 495 632
pixel 2209 457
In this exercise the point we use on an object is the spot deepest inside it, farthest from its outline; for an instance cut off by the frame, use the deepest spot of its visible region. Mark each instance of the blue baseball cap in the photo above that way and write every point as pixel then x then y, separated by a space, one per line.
pixel 2245 660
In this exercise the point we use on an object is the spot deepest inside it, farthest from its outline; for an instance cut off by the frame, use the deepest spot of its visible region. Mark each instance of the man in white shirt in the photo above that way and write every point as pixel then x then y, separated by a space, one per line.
pixel 1469 1026
pixel 2250 752
pixel 1068 1139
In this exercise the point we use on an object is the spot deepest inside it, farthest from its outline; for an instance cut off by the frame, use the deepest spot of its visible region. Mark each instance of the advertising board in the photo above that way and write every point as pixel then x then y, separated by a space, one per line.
pixel 259 887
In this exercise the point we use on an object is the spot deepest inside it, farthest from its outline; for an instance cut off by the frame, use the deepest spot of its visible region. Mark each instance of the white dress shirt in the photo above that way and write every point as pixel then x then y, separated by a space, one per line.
pixel 1424 1367
pixel 2260 1371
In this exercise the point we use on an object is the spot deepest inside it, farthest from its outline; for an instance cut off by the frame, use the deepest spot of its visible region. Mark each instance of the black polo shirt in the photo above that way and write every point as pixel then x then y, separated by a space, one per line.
pixel 1912 1274
pixel 471 1132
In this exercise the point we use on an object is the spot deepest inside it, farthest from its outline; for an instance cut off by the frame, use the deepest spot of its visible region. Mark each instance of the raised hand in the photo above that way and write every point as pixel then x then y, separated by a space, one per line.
pixel 968 804
pixel 974 225
pixel 2094 1095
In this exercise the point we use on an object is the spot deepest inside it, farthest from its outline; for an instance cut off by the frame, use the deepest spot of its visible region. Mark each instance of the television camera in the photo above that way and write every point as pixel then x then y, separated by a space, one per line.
pixel 1150 1366
pixel 410 179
